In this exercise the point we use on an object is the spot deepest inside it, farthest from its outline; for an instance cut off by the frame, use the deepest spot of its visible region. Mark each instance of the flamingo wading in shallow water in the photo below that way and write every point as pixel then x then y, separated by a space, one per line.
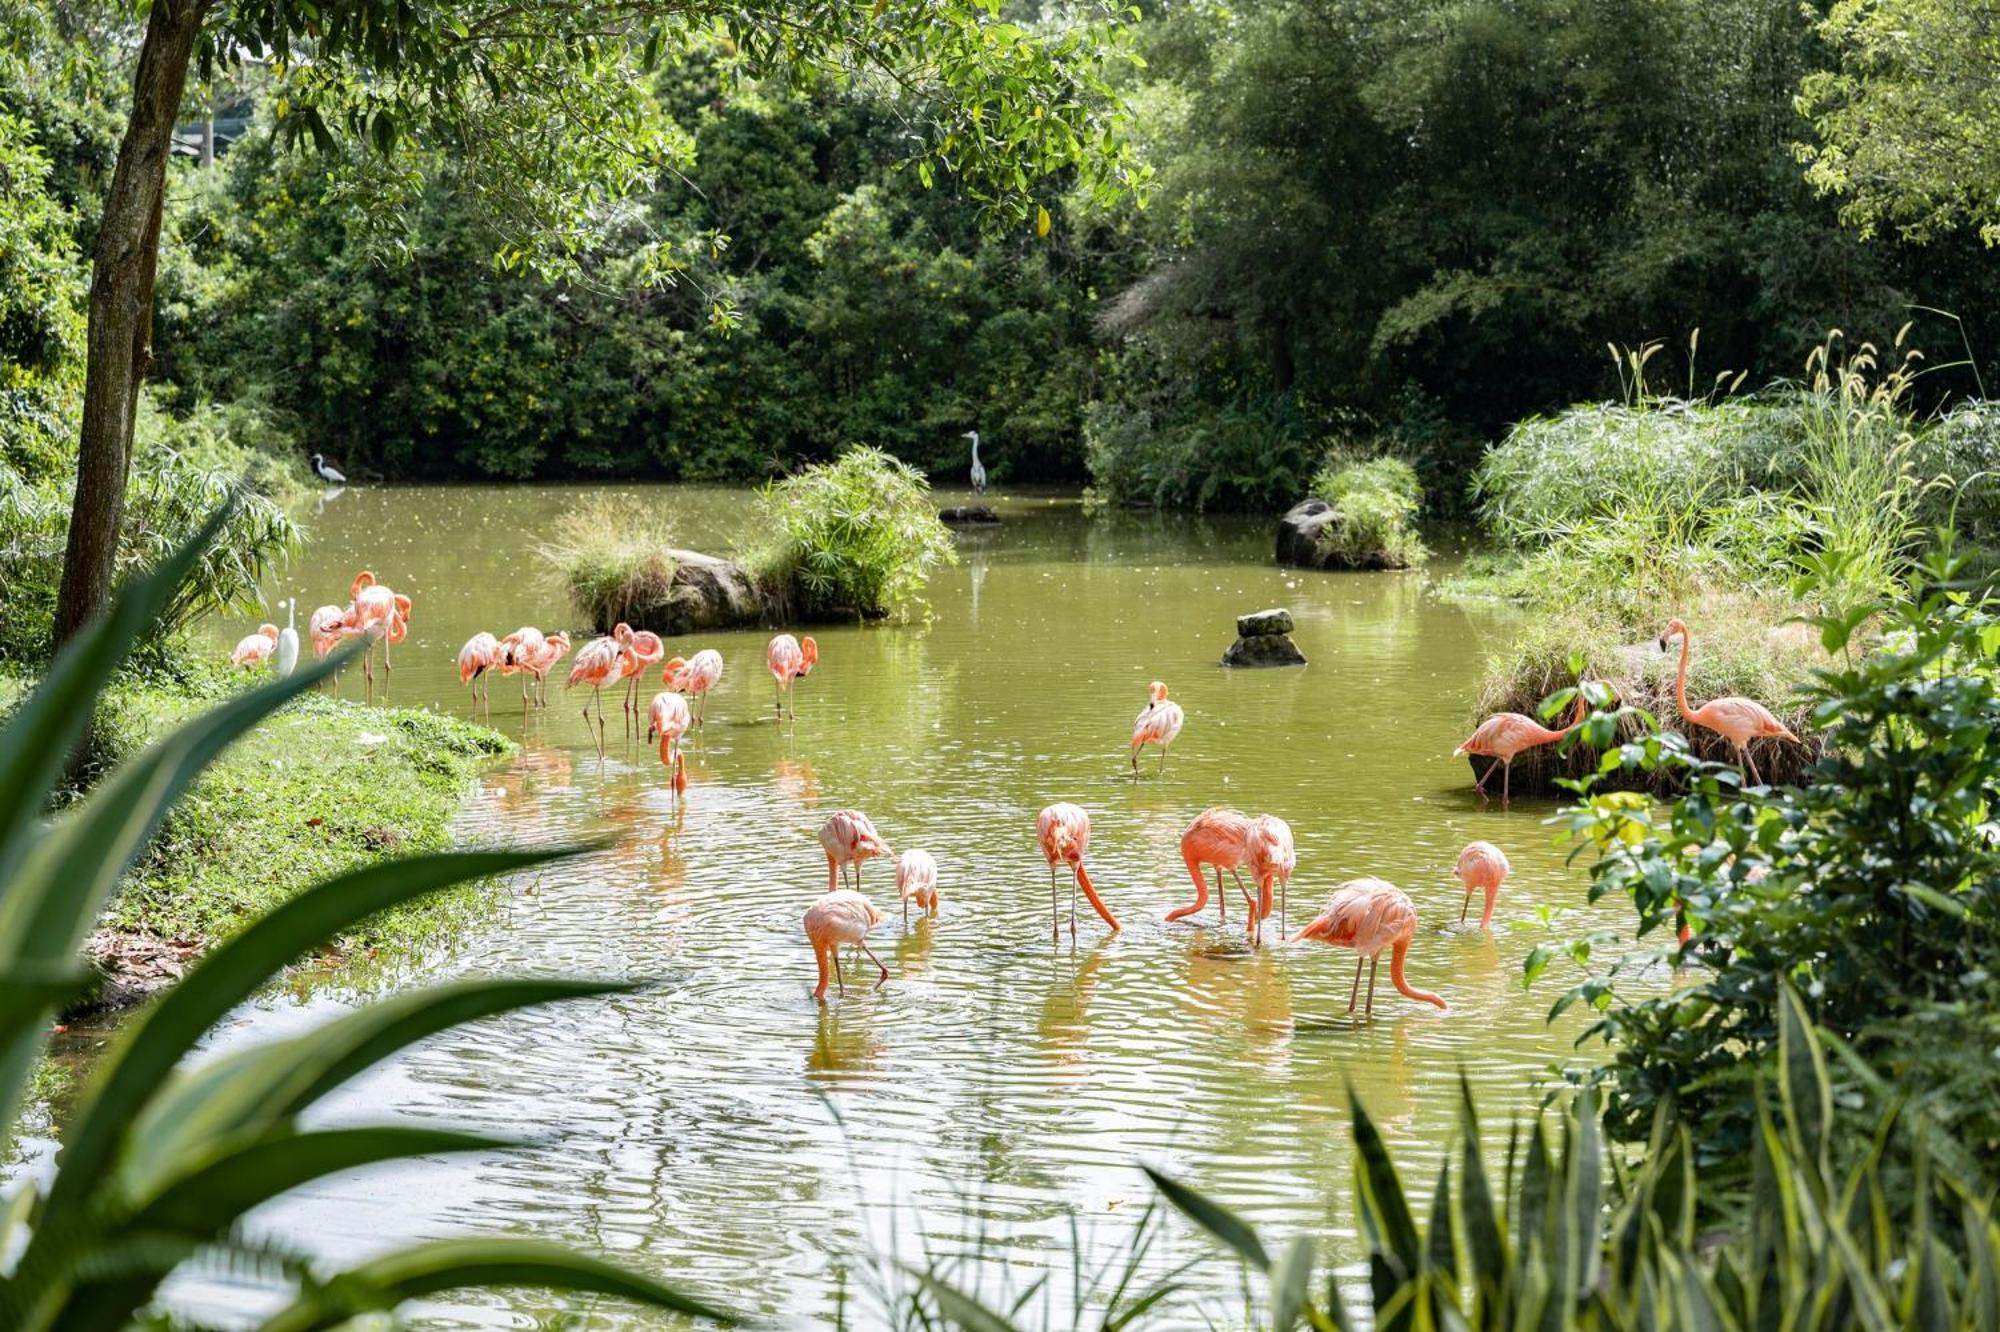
pixel 480 655
pixel 1507 735
pixel 1272 860
pixel 646 649
pixel 669 719
pixel 1737 720
pixel 916 878
pixel 842 916
pixel 848 839
pixel 1369 915
pixel 694 677
pixel 1220 837
pixel 1482 867
pixel 1064 830
pixel 1158 723
pixel 600 662
pixel 380 613
pixel 790 660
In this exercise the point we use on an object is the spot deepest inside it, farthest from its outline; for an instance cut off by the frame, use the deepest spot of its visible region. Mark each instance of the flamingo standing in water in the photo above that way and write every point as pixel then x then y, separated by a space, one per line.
pixel 848 839
pixel 1273 857
pixel 694 677
pixel 514 650
pixel 1482 867
pixel 790 659
pixel 540 658
pixel 1505 736
pixel 600 662
pixel 1737 720
pixel 842 916
pixel 253 650
pixel 1158 723
pixel 670 721
pixel 1369 915
pixel 646 649
pixel 1220 837
pixel 383 613
pixel 480 654
pixel 1064 830
pixel 327 626
pixel 916 877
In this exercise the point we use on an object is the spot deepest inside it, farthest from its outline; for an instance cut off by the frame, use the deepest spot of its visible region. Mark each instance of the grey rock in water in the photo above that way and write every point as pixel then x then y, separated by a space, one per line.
pixel 968 515
pixel 707 592
pixel 1298 532
pixel 1257 623
pixel 1264 650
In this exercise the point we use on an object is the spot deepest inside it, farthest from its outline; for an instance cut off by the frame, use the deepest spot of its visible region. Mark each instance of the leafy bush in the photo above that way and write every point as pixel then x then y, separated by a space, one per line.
pixel 1375 505
pixel 161 1163
pixel 1874 887
pixel 1162 453
pixel 854 536
pixel 610 551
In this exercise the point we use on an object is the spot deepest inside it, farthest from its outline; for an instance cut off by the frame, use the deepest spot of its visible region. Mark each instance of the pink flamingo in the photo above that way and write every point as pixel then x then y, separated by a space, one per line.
pixel 670 721
pixel 646 649
pixel 1219 836
pixel 600 662
pixel 253 650
pixel 849 838
pixel 514 651
pixel 694 677
pixel 916 877
pixel 480 654
pixel 842 916
pixel 542 658
pixel 790 659
pixel 1482 867
pixel 382 613
pixel 1369 915
pixel 1064 830
pixel 1158 723
pixel 1737 720
pixel 1272 860
pixel 1504 736
pixel 327 627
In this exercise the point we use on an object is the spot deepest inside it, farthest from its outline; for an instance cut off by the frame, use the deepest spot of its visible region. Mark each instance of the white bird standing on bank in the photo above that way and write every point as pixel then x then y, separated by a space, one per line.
pixel 978 471
pixel 327 474
pixel 288 640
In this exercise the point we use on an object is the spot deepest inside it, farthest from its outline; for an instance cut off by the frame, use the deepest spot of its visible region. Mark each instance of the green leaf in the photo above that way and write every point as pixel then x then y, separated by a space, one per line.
pixel 1384 1207
pixel 1289 1281
pixel 960 1308
pixel 1213 1217
pixel 445 1265
pixel 1803 1087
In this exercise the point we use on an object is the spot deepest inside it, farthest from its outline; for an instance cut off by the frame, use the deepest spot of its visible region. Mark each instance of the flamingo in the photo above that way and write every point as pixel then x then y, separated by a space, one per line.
pixel 840 917
pixel 1369 915
pixel 381 611
pixel 480 654
pixel 670 721
pixel 1272 859
pixel 514 649
pixel 849 838
pixel 1505 735
pixel 599 662
pixel 253 650
pixel 1158 723
pixel 539 660
pixel 916 877
pixel 646 649
pixel 1482 867
pixel 1737 720
pixel 288 641
pixel 790 659
pixel 1219 836
pixel 1065 833
pixel 327 626
pixel 694 677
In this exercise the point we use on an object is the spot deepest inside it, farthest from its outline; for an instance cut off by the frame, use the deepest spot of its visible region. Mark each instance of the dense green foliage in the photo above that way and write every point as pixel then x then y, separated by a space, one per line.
pixel 1871 888
pixel 854 536
pixel 161 1162
pixel 1375 505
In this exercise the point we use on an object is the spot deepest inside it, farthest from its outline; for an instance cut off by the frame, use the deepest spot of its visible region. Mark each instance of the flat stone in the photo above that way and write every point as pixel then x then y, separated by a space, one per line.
pixel 1261 622
pixel 968 515
pixel 1264 650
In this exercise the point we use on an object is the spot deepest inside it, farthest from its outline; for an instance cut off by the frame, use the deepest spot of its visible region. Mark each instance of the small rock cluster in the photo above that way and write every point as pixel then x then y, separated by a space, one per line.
pixel 1264 638
pixel 968 515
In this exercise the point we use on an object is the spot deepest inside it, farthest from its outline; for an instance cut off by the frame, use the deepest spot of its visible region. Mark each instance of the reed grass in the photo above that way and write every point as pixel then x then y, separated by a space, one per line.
pixel 610 553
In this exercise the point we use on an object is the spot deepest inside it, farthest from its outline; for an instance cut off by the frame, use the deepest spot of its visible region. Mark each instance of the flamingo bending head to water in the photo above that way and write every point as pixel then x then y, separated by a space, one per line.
pixel 1369 915
pixel 790 659
pixel 842 916
pixel 1158 723
pixel 1507 735
pixel 1737 720
pixel 1219 837
pixel 670 720
pixel 694 677
pixel 253 650
pixel 916 879
pixel 1273 857
pixel 848 837
pixel 1064 830
pixel 1482 867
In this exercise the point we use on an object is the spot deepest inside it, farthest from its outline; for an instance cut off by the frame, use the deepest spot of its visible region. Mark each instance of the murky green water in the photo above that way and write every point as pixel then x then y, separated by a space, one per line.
pixel 723 1129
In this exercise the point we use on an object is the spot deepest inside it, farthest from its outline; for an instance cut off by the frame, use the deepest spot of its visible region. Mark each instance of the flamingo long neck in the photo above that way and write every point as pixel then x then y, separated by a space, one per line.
pixel 1403 987
pixel 1681 676
pixel 1200 888
pixel 1083 882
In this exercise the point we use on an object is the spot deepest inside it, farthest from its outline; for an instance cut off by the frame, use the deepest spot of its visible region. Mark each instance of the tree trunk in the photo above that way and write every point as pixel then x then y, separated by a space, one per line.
pixel 120 345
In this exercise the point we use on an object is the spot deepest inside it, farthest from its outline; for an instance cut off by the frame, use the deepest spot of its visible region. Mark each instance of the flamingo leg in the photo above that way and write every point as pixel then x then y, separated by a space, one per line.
pixel 1249 898
pixel 1163 761
pixel 1072 902
pixel 1465 906
pixel 838 978
pixel 1221 902
pixel 387 665
pixel 1055 912
pixel 1480 784
pixel 829 871
pixel 1506 781
pixel 1354 994
pixel 872 958
pixel 1373 964
pixel 1135 760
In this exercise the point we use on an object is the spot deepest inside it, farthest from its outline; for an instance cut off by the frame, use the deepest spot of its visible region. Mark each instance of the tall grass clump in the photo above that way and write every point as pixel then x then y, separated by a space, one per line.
pixel 856 536
pixel 1375 504
pixel 610 552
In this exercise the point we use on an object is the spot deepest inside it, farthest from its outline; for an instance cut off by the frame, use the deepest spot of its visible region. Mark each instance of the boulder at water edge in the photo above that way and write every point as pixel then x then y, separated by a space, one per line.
pixel 1259 623
pixel 1264 639
pixel 1298 532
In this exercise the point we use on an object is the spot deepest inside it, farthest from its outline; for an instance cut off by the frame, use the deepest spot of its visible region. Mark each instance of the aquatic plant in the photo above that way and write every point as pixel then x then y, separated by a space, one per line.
pixel 160 1163
pixel 611 554
pixel 1375 503
pixel 856 536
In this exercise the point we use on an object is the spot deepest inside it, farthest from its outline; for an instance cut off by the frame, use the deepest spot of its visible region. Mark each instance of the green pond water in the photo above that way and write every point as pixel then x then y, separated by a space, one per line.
pixel 724 1130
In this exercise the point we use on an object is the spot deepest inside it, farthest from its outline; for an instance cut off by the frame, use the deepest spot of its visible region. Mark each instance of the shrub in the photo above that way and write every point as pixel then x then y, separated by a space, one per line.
pixel 1375 505
pixel 1874 887
pixel 853 536
pixel 1169 454
pixel 161 1162
pixel 610 552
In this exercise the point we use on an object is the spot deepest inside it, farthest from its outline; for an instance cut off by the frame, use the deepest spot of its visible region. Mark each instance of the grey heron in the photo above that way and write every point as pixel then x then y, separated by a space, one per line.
pixel 978 471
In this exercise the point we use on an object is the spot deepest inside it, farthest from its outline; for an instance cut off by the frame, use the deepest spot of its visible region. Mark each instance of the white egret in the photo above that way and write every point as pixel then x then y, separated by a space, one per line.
pixel 288 640
pixel 326 473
